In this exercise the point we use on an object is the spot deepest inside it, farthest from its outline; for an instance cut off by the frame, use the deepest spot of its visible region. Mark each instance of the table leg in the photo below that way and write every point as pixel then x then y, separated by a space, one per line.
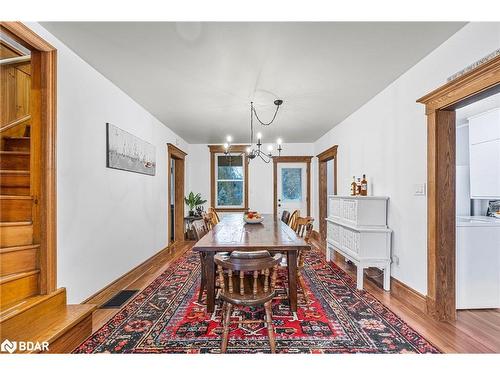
pixel 210 277
pixel 292 279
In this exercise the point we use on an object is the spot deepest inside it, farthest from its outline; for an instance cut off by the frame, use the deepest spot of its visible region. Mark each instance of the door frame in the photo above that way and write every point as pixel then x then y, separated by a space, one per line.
pixel 291 159
pixel 173 152
pixel 440 106
pixel 43 176
pixel 323 158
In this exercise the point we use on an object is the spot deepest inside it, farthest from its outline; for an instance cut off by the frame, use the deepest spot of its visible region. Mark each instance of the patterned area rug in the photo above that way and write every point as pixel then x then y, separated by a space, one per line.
pixel 166 318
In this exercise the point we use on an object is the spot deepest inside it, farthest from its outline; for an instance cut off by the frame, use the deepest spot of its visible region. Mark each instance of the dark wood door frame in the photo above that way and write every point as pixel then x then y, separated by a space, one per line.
pixel 440 107
pixel 291 159
pixel 43 148
pixel 323 158
pixel 179 156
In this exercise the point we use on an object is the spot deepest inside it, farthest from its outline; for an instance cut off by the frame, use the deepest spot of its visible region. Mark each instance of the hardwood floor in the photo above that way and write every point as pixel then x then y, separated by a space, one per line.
pixel 474 331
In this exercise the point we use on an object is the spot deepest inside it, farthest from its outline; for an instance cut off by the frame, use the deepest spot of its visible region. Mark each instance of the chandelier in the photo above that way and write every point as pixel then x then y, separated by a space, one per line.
pixel 252 151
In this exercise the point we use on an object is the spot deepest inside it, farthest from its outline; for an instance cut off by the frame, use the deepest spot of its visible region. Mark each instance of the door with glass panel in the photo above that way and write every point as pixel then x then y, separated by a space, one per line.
pixel 292 187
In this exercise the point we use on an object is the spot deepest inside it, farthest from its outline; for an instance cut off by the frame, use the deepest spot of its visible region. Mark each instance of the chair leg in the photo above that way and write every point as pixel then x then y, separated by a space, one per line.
pixel 203 282
pixel 270 327
pixel 225 334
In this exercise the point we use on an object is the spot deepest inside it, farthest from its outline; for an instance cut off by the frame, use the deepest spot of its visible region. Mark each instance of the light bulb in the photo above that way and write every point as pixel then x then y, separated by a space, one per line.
pixel 248 150
pixel 279 141
pixel 270 148
pixel 259 135
pixel 226 146
pixel 229 139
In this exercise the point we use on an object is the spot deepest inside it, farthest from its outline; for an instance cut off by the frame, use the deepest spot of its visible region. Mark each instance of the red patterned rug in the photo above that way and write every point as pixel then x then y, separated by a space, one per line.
pixel 166 318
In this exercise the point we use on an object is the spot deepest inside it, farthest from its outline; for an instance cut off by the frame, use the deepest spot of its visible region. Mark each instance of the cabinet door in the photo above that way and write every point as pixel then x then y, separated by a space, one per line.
pixel 485 170
pixel 485 127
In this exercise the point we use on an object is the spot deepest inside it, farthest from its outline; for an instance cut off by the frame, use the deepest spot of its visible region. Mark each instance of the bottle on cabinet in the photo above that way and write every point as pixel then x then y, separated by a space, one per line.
pixel 358 186
pixel 364 186
pixel 354 186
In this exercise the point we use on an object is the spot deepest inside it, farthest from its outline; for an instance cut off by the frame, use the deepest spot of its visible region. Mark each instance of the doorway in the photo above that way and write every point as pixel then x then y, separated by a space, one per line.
pixel 292 184
pixel 440 105
pixel 327 184
pixel 175 201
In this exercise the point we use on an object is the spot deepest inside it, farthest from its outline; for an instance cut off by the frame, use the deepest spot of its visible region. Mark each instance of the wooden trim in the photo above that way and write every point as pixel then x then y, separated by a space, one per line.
pixel 323 158
pixel 104 294
pixel 291 159
pixel 216 149
pixel 408 295
pixel 439 105
pixel 15 123
pixel 178 155
pixel 43 147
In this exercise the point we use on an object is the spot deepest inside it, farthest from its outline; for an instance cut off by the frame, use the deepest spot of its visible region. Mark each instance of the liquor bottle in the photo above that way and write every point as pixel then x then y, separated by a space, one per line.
pixel 364 186
pixel 358 186
pixel 354 186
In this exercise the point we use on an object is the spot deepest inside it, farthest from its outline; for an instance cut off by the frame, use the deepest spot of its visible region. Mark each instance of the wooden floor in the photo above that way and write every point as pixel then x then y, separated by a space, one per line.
pixel 475 331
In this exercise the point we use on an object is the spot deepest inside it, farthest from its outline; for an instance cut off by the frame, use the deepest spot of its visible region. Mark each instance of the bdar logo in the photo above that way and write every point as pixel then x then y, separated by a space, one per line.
pixel 8 346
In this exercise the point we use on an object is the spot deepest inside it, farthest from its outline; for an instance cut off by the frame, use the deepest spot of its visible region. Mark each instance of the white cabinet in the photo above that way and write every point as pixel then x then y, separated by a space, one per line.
pixel 484 147
pixel 357 229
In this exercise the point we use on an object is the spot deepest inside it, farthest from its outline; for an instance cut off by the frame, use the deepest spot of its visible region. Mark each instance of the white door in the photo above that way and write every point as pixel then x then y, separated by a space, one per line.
pixel 292 187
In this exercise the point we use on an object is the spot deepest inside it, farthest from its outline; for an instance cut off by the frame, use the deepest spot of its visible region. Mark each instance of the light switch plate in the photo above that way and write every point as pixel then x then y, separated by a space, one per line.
pixel 419 190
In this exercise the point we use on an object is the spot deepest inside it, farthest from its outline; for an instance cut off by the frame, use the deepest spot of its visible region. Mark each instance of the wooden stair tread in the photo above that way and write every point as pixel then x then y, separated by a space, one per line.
pixel 17 248
pixel 3 152
pixel 15 276
pixel 17 138
pixel 18 307
pixel 54 326
pixel 13 171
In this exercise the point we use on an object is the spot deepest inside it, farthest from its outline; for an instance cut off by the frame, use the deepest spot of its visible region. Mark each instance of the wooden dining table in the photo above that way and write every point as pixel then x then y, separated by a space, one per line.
pixel 232 233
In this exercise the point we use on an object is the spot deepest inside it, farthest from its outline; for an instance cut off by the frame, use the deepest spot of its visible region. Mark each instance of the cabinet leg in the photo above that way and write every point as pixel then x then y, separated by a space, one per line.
pixel 387 277
pixel 359 276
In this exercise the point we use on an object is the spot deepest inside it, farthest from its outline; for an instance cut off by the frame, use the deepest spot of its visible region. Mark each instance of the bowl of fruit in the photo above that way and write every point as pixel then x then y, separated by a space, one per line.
pixel 253 217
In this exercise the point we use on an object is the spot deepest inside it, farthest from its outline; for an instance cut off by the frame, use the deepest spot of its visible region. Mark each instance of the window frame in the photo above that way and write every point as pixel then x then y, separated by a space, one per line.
pixel 217 150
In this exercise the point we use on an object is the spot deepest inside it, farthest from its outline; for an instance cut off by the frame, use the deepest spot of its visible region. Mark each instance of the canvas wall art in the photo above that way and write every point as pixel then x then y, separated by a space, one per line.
pixel 127 152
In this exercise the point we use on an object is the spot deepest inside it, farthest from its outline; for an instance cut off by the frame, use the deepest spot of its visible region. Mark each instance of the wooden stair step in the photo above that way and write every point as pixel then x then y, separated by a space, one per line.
pixel 17 259
pixel 15 207
pixel 64 328
pixel 18 286
pixel 16 233
pixel 16 144
pixel 14 182
pixel 15 160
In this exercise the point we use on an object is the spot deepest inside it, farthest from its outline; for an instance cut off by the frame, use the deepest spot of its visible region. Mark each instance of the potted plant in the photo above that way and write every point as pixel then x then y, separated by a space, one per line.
pixel 192 201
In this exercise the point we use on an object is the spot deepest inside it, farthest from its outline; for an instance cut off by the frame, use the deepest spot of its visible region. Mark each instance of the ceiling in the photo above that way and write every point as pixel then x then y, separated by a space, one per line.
pixel 483 105
pixel 198 78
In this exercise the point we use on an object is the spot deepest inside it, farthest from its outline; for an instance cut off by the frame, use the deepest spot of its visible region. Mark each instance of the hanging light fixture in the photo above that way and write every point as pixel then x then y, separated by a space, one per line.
pixel 251 151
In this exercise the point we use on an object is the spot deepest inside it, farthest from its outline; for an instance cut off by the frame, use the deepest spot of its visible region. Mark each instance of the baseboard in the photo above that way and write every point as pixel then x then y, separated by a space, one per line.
pixel 121 282
pixel 408 295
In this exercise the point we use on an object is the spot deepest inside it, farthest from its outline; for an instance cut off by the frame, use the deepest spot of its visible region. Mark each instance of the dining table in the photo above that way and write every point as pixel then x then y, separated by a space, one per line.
pixel 233 233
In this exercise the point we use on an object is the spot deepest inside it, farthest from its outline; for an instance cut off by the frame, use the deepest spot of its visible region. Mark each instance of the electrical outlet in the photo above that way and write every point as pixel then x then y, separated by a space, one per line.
pixel 395 260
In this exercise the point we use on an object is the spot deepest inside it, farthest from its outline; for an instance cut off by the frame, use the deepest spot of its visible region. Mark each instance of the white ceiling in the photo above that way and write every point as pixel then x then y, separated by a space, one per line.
pixel 199 78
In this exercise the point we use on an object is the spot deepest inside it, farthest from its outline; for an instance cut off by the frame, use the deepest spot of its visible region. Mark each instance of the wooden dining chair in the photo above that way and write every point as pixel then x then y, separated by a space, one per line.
pixel 285 216
pixel 292 222
pixel 208 218
pixel 215 218
pixel 304 229
pixel 247 278
pixel 200 229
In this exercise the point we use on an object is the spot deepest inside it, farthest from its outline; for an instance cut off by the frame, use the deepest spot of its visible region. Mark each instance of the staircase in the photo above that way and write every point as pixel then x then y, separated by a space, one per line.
pixel 25 313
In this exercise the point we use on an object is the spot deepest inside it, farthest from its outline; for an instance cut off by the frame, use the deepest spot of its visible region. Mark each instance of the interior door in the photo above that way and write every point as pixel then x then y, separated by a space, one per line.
pixel 292 187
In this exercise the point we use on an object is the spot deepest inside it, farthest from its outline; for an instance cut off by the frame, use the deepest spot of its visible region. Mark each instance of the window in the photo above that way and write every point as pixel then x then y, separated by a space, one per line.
pixel 229 180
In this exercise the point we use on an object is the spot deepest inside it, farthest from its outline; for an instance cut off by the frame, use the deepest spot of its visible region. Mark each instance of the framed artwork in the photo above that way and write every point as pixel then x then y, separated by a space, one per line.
pixel 127 152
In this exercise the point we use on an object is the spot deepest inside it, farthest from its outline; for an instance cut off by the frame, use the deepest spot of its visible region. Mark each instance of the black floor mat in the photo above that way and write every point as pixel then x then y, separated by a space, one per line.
pixel 118 299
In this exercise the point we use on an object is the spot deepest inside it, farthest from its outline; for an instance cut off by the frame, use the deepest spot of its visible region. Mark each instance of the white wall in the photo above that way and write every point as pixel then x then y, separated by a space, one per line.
pixel 260 175
pixel 108 220
pixel 387 139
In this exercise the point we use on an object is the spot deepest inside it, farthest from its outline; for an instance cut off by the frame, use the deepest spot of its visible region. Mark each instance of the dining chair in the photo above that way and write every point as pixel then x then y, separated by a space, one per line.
pixel 285 216
pixel 304 229
pixel 247 278
pixel 215 218
pixel 292 222
pixel 208 218
pixel 200 229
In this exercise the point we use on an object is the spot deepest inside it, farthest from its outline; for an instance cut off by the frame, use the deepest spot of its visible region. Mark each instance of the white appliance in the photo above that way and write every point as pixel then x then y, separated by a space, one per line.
pixel 357 229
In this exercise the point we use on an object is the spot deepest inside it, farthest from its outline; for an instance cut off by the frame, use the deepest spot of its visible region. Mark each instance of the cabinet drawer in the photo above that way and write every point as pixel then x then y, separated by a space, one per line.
pixel 334 233
pixel 335 208
pixel 484 127
pixel 350 210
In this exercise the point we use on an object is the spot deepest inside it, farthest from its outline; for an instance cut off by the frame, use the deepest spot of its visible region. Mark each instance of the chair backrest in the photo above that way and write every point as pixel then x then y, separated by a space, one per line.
pixel 215 218
pixel 292 223
pixel 247 275
pixel 209 221
pixel 304 227
pixel 200 228
pixel 285 216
